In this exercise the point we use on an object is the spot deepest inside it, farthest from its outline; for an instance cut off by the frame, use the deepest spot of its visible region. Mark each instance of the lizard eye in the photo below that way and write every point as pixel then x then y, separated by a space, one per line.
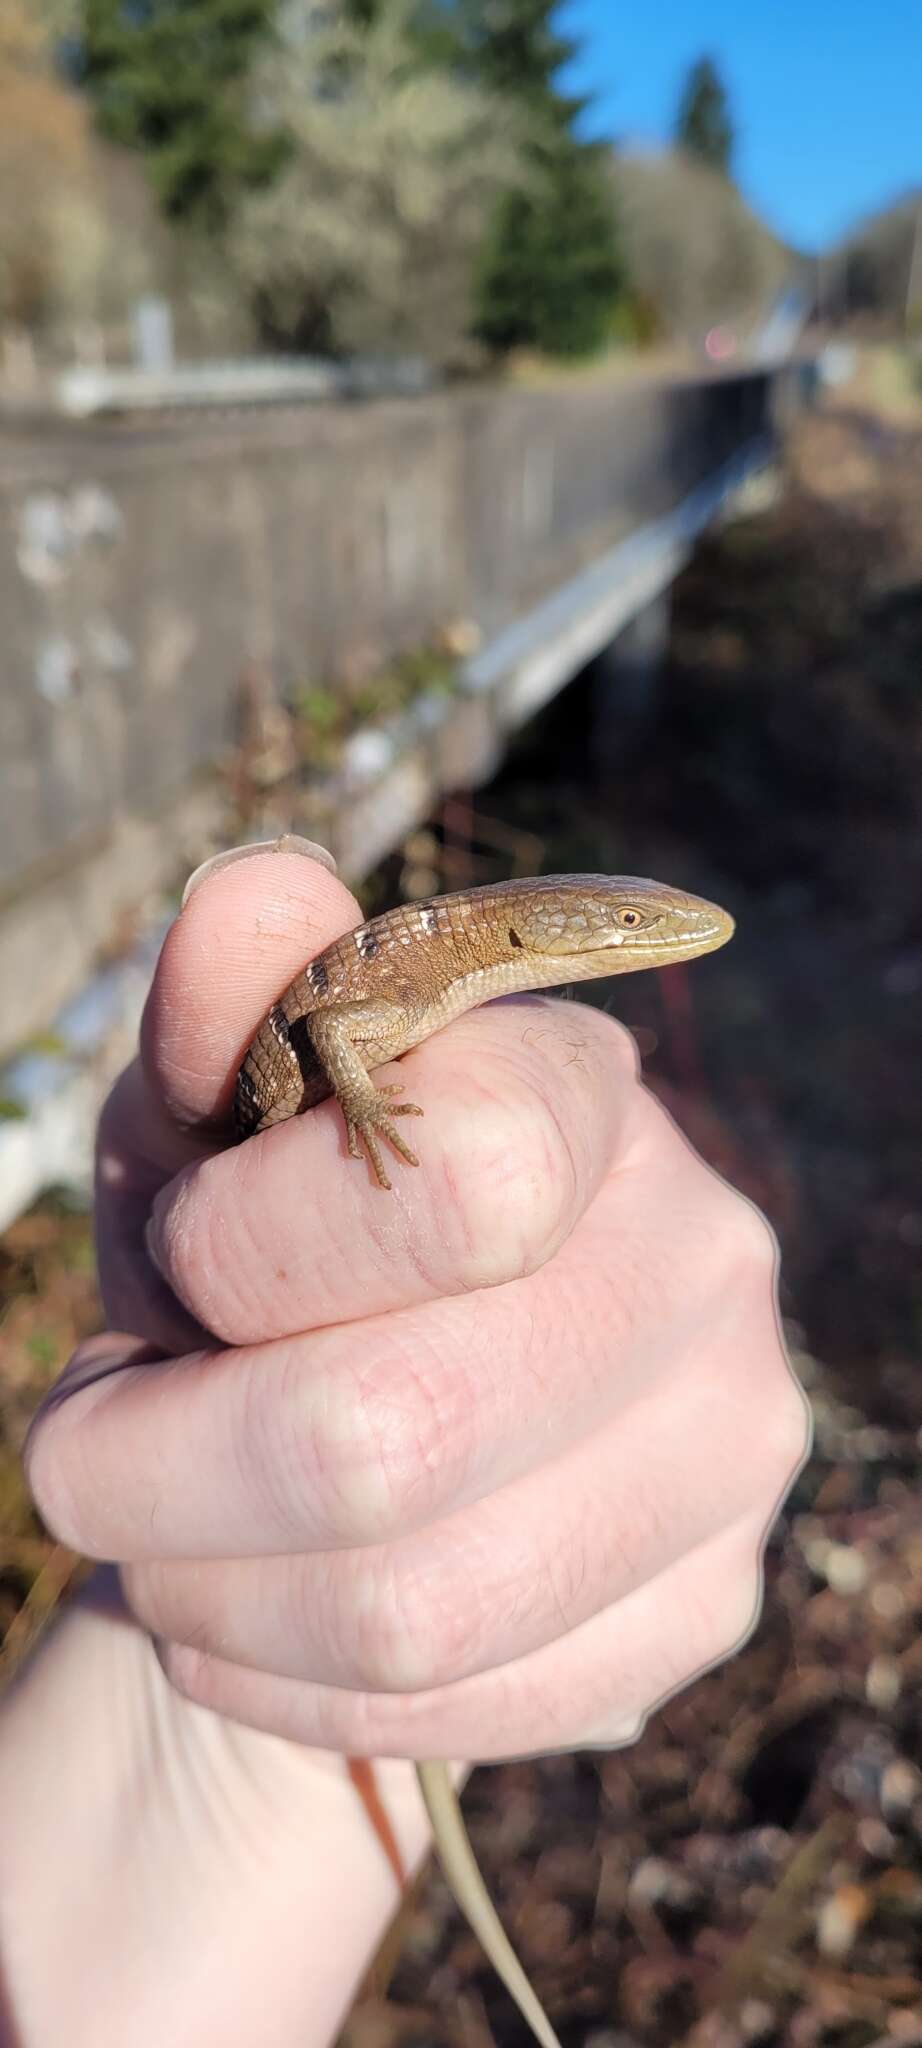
pixel 630 919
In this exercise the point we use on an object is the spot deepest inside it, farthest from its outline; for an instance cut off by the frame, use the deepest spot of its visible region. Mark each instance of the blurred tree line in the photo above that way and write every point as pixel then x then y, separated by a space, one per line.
pixel 339 175
pixel 873 279
pixel 70 235
pixel 703 126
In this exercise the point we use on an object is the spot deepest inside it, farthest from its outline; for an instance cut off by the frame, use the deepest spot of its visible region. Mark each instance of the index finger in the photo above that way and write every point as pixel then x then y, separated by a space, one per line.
pixel 239 940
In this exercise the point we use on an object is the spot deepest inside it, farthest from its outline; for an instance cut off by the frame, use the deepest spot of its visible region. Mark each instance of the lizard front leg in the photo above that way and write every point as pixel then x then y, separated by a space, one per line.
pixel 338 1035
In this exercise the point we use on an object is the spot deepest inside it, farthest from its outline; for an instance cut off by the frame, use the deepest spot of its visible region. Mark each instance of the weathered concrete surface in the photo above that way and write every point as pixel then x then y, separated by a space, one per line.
pixel 142 570
pixel 442 743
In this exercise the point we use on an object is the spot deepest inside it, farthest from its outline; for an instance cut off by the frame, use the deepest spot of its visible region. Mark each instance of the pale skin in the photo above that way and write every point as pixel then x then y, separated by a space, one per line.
pixel 483 1468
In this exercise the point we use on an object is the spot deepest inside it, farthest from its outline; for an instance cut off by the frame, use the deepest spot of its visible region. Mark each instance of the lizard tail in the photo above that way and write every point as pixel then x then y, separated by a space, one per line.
pixel 467 1885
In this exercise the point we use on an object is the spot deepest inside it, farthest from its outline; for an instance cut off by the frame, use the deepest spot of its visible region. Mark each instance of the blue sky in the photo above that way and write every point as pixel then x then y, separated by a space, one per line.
pixel 826 95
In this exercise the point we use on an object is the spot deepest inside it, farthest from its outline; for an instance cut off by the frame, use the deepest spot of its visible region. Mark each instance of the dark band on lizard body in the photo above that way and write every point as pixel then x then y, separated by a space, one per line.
pixel 384 988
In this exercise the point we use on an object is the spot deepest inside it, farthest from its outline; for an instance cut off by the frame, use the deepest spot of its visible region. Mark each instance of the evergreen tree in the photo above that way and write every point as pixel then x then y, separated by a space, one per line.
pixel 171 78
pixel 515 50
pixel 703 125
pixel 551 271
pixel 551 274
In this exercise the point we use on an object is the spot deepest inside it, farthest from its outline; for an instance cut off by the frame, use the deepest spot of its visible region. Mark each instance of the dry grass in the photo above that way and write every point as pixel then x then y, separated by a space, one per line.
pixel 887 381
pixel 48 1301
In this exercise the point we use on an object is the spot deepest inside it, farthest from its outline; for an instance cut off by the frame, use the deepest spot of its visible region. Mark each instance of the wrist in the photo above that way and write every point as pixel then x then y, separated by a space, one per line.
pixel 166 1875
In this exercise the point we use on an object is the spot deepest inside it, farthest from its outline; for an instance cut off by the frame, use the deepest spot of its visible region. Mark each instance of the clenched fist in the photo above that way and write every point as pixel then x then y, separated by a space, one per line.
pixel 479 1468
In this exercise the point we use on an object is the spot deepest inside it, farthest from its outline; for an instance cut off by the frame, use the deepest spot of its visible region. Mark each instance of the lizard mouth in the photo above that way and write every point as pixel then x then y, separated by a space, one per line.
pixel 652 935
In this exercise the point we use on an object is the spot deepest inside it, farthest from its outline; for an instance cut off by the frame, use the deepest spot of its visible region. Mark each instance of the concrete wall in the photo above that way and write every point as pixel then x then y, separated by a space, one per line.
pixel 141 569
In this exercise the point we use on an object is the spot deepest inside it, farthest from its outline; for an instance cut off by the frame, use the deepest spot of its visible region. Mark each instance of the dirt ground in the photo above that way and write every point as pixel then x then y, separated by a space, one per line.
pixel 751 1870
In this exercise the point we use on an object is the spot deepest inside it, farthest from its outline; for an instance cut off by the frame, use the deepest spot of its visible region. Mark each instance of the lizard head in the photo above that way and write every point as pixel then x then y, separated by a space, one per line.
pixel 610 924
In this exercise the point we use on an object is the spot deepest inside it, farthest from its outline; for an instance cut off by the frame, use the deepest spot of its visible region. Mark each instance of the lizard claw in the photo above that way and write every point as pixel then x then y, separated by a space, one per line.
pixel 372 1123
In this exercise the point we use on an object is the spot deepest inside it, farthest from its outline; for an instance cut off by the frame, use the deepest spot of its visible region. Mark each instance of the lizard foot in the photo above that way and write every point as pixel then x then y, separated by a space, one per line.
pixel 372 1122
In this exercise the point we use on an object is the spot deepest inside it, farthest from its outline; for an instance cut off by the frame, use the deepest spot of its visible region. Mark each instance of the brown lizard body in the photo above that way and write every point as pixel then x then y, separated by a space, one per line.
pixel 382 989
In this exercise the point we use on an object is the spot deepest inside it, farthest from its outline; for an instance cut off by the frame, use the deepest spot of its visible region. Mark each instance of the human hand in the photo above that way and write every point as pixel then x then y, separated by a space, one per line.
pixel 486 1464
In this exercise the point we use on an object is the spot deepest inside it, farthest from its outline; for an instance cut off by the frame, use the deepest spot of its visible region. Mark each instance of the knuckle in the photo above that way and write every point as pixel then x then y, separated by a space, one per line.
pixel 205 1247
pixel 392 1433
pixel 149 1591
pixel 770 1435
pixel 617 1727
pixel 517 1194
pixel 606 1046
pixel 536 1131
pixel 787 1432
pixel 774 1419
pixel 190 1671
pixel 414 1637
pixel 621 1054
pixel 730 1616
pixel 135 1582
pixel 174 1239
pixel 739 1244
pixel 54 1475
pixel 741 1608
pixel 752 1242
pixel 45 1480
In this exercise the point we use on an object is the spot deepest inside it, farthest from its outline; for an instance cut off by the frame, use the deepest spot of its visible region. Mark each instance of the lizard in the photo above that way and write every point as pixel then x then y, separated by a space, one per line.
pixel 380 990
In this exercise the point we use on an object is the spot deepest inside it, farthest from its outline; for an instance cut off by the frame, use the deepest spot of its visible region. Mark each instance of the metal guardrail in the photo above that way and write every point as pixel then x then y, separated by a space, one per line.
pixel 782 328
pixel 90 393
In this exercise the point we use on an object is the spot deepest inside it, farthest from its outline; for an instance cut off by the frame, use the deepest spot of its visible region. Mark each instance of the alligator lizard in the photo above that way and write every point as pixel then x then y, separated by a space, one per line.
pixel 382 989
